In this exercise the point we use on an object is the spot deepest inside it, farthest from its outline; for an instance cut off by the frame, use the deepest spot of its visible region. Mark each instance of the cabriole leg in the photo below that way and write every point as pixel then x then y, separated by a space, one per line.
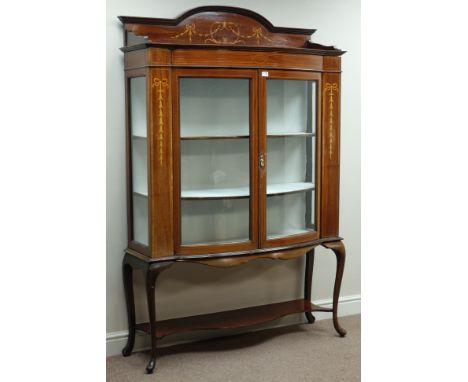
pixel 338 248
pixel 309 269
pixel 152 274
pixel 129 298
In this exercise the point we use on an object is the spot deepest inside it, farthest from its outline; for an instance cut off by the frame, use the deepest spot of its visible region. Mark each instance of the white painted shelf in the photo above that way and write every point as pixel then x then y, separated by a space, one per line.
pixel 207 137
pixel 273 135
pixel 241 192
pixel 287 188
pixel 244 192
pixel 144 194
pixel 286 134
pixel 216 193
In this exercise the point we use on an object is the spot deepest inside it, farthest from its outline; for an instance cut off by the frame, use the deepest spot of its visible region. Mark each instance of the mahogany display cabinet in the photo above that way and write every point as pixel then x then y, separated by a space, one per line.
pixel 233 155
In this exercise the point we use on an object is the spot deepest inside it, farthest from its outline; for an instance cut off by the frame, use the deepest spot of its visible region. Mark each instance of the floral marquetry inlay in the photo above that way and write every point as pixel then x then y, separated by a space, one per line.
pixel 331 89
pixel 160 85
pixel 223 32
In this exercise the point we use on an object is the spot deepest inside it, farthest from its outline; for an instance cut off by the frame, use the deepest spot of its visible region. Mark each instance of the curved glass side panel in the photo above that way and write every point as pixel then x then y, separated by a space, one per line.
pixel 139 159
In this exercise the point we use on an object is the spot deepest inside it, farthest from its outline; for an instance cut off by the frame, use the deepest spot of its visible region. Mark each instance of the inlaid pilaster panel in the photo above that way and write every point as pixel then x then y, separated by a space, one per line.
pixel 331 89
pixel 161 179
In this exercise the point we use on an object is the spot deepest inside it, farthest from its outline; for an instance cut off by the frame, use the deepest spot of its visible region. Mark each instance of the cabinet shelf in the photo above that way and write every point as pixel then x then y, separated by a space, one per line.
pixel 203 137
pixel 139 137
pixel 275 135
pixel 143 194
pixel 219 193
pixel 232 319
pixel 241 192
pixel 284 135
pixel 244 192
pixel 288 188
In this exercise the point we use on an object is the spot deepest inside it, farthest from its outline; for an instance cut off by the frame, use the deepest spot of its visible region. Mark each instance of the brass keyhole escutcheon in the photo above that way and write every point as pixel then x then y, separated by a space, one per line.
pixel 262 160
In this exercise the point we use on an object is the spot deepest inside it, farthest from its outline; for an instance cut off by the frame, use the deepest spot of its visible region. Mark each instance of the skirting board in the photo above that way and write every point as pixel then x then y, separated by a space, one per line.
pixel 115 341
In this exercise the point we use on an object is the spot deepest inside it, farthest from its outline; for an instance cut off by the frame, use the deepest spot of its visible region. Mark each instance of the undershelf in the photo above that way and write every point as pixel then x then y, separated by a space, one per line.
pixel 233 318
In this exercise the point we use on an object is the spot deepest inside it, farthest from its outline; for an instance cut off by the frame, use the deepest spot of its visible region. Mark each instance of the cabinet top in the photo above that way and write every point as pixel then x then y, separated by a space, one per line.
pixel 219 26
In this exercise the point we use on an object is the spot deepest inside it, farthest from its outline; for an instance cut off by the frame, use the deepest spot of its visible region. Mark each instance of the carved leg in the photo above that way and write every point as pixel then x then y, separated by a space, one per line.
pixel 338 248
pixel 129 297
pixel 151 275
pixel 309 270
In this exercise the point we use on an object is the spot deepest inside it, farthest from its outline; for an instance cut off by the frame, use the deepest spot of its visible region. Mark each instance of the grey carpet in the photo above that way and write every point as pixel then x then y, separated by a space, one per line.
pixel 294 354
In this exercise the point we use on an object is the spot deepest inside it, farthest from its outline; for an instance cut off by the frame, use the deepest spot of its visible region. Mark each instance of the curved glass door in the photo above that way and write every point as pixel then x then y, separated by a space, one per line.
pixel 215 173
pixel 290 151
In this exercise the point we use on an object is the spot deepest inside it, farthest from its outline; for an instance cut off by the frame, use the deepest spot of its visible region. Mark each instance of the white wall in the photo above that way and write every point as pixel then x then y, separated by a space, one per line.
pixel 191 289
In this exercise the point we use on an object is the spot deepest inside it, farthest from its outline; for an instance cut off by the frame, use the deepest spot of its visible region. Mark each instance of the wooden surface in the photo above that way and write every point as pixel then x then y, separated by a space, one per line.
pixel 216 26
pixel 309 271
pixel 208 57
pixel 331 64
pixel 219 26
pixel 208 256
pixel 339 249
pixel 331 91
pixel 245 59
pixel 232 319
pixel 220 320
pixel 234 261
pixel 160 157
pixel 226 9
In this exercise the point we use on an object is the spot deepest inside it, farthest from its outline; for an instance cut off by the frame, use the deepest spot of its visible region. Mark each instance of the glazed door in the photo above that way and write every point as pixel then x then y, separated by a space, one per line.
pixel 289 168
pixel 215 160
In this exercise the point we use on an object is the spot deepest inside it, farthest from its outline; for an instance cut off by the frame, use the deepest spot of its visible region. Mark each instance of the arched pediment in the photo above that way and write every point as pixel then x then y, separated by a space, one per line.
pixel 218 26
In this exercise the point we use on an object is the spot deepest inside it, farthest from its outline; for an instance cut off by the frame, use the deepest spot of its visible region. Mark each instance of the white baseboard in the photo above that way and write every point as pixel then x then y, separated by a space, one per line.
pixel 115 341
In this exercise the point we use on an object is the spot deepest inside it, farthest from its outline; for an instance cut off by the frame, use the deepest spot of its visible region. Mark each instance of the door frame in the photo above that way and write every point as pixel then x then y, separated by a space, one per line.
pixel 262 99
pixel 253 144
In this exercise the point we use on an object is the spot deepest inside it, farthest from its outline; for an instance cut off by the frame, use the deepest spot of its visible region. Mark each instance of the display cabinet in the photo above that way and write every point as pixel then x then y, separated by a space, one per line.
pixel 233 147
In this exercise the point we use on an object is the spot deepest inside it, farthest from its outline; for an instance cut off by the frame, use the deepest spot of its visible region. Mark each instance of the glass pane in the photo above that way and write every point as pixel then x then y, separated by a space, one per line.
pixel 138 128
pixel 213 221
pixel 291 124
pixel 286 160
pixel 133 39
pixel 290 214
pixel 214 107
pixel 215 164
pixel 288 102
